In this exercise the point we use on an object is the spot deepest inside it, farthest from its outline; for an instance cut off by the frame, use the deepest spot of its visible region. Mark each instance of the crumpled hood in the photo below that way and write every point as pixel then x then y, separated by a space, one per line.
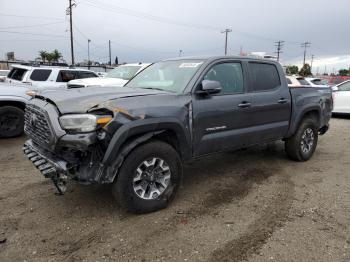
pixel 99 81
pixel 80 100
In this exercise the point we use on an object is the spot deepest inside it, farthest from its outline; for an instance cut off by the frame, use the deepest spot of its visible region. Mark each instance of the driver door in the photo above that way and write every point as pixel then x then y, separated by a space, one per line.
pixel 220 120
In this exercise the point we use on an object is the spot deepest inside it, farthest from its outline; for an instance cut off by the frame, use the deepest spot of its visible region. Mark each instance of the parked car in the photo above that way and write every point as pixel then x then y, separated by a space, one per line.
pixel 341 95
pixel 3 74
pixel 138 136
pixel 297 81
pixel 45 76
pixel 317 82
pixel 13 98
pixel 117 77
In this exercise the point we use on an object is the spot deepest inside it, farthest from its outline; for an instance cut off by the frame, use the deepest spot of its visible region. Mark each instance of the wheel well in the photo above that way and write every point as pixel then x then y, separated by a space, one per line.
pixel 169 137
pixel 166 136
pixel 312 114
pixel 13 103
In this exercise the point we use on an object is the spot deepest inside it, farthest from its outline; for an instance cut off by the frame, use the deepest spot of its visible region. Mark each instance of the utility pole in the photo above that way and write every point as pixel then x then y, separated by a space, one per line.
pixel 312 61
pixel 180 52
pixel 226 31
pixel 279 45
pixel 110 52
pixel 305 46
pixel 70 13
pixel 89 53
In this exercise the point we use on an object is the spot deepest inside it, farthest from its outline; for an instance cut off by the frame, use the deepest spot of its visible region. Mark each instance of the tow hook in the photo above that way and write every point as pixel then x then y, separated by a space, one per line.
pixel 60 182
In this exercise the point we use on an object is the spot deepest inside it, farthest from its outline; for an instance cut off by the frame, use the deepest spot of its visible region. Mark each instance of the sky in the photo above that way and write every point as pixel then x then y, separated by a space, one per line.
pixel 152 30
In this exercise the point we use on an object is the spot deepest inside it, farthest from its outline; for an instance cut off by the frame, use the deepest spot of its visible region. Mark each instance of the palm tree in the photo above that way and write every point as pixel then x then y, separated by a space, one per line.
pixel 55 55
pixel 43 55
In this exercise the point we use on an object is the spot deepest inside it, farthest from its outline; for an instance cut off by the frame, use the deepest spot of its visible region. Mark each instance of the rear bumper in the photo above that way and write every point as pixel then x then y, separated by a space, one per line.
pixel 47 163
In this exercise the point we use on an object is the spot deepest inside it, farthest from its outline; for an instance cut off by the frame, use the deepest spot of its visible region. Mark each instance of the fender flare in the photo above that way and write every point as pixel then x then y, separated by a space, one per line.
pixel 299 117
pixel 149 128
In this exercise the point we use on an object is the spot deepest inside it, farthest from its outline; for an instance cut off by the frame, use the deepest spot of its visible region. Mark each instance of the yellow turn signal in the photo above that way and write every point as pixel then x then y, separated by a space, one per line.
pixel 104 120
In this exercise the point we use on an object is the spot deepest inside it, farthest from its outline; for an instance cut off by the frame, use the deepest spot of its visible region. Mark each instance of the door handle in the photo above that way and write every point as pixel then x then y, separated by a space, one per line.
pixel 244 104
pixel 282 101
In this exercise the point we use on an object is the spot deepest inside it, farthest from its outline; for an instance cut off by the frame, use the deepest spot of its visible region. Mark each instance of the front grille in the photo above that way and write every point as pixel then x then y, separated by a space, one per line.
pixel 36 125
pixel 75 86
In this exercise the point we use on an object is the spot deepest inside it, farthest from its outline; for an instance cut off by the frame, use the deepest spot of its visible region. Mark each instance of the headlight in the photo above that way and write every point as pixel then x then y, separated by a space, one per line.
pixel 79 123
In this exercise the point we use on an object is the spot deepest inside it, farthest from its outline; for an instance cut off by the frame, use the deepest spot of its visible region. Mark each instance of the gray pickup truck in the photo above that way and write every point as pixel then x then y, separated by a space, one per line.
pixel 137 137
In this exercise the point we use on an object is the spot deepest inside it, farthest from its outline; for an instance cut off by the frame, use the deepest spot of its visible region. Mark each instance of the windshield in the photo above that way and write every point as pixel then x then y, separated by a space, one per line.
pixel 3 73
pixel 171 76
pixel 123 72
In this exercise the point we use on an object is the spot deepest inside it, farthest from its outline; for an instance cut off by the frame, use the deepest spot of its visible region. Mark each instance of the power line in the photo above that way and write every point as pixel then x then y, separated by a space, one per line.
pixel 25 33
pixel 279 44
pixel 226 31
pixel 31 17
pixel 305 45
pixel 29 26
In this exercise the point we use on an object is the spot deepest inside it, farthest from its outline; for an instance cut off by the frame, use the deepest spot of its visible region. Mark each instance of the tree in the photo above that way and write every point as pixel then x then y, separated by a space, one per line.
pixel 292 70
pixel 344 72
pixel 305 70
pixel 56 55
pixel 43 55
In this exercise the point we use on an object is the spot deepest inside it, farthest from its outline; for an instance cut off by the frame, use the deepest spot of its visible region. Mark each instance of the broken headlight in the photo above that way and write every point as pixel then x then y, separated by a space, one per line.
pixel 83 122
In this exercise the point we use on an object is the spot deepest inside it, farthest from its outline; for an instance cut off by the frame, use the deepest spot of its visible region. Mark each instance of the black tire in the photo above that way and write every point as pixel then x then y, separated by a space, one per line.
pixel 294 146
pixel 123 187
pixel 11 121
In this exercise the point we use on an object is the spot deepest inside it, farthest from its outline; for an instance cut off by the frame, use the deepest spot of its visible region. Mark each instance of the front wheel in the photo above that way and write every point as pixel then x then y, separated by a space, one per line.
pixel 149 178
pixel 302 145
pixel 11 121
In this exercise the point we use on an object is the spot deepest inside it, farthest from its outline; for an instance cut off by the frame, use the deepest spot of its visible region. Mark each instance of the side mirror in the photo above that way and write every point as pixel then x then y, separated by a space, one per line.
pixel 209 87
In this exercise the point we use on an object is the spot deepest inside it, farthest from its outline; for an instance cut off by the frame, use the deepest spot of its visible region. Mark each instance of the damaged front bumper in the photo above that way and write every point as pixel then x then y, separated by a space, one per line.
pixel 48 164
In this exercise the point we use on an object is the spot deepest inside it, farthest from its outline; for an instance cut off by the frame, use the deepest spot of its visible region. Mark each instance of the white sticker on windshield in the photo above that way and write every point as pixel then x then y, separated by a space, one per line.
pixel 190 65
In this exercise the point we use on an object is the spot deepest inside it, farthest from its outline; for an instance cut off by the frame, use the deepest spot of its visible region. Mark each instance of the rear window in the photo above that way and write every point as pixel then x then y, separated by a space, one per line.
pixel 265 76
pixel 66 75
pixel 319 82
pixel 40 74
pixel 303 82
pixel 17 73
pixel 86 74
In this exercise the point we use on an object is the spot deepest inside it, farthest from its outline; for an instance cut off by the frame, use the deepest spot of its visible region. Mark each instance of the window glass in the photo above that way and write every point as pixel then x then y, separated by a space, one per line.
pixel 171 76
pixel 265 76
pixel 345 87
pixel 40 74
pixel 229 75
pixel 3 73
pixel 319 82
pixel 289 81
pixel 85 74
pixel 17 73
pixel 123 72
pixel 303 82
pixel 66 75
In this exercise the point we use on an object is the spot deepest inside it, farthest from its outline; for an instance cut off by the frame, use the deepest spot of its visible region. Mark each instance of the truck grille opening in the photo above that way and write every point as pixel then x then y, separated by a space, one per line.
pixel 36 125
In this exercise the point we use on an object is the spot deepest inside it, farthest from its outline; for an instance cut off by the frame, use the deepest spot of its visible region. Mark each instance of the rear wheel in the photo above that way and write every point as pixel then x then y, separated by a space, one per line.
pixel 149 178
pixel 302 145
pixel 11 121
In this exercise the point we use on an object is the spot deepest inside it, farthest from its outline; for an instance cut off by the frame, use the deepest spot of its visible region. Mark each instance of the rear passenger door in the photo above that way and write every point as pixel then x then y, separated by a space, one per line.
pixel 271 102
pixel 220 120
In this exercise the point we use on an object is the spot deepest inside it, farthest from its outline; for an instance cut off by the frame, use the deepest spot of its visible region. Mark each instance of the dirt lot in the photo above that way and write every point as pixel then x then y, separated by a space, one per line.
pixel 253 205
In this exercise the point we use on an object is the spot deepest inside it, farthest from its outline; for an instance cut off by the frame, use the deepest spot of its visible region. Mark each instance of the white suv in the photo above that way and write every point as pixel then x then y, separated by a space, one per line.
pixel 45 76
pixel 117 77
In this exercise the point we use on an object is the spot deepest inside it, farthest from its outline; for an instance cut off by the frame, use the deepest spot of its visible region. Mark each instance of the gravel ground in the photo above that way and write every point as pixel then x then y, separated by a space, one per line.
pixel 251 205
